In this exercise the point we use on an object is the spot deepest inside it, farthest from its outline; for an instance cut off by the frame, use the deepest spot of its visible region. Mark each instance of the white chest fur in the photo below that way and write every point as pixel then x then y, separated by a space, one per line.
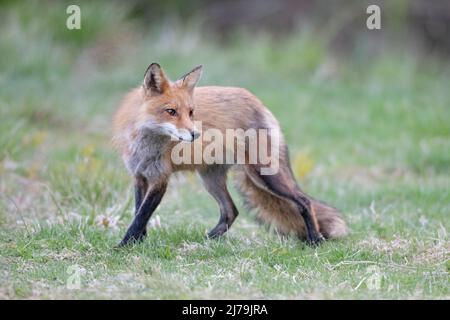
pixel 147 157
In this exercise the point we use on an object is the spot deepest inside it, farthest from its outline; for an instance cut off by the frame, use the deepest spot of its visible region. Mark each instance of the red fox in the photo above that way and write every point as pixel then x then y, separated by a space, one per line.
pixel 154 117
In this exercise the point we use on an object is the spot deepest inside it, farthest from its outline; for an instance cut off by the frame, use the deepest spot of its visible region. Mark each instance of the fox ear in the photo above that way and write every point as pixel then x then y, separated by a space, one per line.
pixel 190 79
pixel 155 81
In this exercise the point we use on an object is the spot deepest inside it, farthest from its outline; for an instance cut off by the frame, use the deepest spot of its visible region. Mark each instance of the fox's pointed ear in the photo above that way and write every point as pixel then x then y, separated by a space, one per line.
pixel 190 79
pixel 155 81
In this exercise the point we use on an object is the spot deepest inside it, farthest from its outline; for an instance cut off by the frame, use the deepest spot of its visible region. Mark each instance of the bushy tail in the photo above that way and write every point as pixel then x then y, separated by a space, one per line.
pixel 284 216
pixel 330 220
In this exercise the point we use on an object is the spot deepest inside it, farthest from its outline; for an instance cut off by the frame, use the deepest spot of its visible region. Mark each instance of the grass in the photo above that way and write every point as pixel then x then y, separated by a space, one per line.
pixel 369 134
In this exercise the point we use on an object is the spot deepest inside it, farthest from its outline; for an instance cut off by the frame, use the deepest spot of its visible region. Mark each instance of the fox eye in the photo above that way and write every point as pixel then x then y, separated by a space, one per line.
pixel 172 112
pixel 191 113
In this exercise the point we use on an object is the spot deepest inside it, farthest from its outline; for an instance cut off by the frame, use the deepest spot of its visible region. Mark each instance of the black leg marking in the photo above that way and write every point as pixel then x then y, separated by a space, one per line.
pixel 138 197
pixel 137 230
pixel 280 186
pixel 313 235
pixel 140 189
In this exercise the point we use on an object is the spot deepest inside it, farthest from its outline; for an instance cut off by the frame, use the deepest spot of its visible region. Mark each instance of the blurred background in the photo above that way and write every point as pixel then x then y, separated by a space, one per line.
pixel 300 56
pixel 365 114
pixel 346 97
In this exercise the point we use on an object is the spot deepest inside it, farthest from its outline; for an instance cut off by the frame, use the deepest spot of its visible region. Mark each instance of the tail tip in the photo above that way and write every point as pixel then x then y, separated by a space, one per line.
pixel 336 229
pixel 331 223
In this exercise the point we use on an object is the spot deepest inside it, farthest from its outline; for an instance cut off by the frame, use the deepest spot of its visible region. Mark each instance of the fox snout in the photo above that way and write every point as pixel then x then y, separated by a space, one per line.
pixel 195 134
pixel 188 135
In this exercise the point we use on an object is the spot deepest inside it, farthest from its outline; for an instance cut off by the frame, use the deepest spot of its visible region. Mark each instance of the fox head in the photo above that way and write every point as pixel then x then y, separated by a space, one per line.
pixel 168 108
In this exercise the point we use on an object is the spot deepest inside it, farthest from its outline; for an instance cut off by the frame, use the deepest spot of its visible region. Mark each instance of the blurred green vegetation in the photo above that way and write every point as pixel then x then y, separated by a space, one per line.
pixel 365 114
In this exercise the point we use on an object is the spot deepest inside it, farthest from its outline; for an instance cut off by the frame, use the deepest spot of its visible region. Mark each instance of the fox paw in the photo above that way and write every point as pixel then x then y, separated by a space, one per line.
pixel 315 240
pixel 130 240
pixel 218 230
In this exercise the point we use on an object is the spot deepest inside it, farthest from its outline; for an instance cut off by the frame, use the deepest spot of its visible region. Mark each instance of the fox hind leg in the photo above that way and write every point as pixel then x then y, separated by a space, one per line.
pixel 282 185
pixel 215 181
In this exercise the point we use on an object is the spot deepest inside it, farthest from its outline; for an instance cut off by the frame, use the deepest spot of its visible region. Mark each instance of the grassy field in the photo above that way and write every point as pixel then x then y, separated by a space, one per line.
pixel 369 135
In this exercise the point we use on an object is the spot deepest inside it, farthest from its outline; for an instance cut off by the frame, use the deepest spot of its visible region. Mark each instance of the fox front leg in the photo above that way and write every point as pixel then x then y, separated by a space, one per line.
pixel 140 190
pixel 137 230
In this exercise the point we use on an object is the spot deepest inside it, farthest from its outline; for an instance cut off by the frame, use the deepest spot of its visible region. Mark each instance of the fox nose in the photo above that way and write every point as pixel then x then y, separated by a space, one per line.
pixel 195 135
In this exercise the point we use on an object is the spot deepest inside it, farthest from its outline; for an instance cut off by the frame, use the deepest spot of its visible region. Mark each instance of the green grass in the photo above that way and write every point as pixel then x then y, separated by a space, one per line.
pixel 374 129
